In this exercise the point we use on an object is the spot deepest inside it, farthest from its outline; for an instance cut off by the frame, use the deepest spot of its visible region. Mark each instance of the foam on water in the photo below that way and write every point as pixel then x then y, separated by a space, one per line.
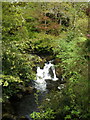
pixel 44 74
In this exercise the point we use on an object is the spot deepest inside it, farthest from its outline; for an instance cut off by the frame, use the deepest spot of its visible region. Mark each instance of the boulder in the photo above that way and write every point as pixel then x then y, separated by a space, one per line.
pixel 53 85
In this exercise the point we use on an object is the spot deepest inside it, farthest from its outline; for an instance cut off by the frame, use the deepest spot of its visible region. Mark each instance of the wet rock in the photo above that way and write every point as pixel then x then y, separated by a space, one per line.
pixel 51 85
pixel 51 72
pixel 62 82
pixel 50 57
pixel 41 64
pixel 56 61
pixel 59 72
pixel 58 69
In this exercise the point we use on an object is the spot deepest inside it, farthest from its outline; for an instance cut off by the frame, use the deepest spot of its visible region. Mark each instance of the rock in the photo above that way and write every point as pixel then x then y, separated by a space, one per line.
pixel 51 85
pixel 62 82
pixel 50 57
pixel 56 61
pixel 59 72
pixel 41 64
pixel 51 72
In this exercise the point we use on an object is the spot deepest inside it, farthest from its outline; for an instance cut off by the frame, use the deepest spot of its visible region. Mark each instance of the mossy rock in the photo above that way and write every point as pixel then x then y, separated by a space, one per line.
pixel 57 61
pixel 59 72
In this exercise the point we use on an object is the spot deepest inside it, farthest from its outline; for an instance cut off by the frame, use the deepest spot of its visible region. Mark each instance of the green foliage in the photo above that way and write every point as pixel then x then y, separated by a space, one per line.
pixel 10 85
pixel 67 117
pixel 34 30
pixel 16 63
pixel 44 115
pixel 13 29
pixel 42 44
pixel 70 102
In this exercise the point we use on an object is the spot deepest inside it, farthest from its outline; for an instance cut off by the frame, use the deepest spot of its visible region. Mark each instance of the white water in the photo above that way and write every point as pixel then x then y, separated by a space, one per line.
pixel 45 74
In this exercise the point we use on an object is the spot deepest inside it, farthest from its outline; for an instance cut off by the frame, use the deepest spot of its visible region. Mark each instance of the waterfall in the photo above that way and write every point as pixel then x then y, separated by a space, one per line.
pixel 48 72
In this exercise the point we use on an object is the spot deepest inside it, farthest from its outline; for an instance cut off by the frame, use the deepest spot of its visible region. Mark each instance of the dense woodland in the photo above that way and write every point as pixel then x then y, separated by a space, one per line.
pixel 34 33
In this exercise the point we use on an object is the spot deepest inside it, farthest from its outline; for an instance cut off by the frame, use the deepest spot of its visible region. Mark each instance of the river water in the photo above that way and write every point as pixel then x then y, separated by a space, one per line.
pixel 27 104
pixel 47 73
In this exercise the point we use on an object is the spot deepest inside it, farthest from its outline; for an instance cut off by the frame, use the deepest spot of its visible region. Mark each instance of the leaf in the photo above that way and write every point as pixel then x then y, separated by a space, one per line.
pixel 5 83
pixel 68 117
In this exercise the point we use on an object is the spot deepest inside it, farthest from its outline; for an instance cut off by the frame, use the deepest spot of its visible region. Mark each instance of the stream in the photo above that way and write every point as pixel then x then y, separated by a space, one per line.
pixel 27 104
pixel 47 73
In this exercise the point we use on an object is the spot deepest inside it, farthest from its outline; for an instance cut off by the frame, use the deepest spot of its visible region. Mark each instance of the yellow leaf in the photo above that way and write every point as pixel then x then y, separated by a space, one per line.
pixel 5 83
